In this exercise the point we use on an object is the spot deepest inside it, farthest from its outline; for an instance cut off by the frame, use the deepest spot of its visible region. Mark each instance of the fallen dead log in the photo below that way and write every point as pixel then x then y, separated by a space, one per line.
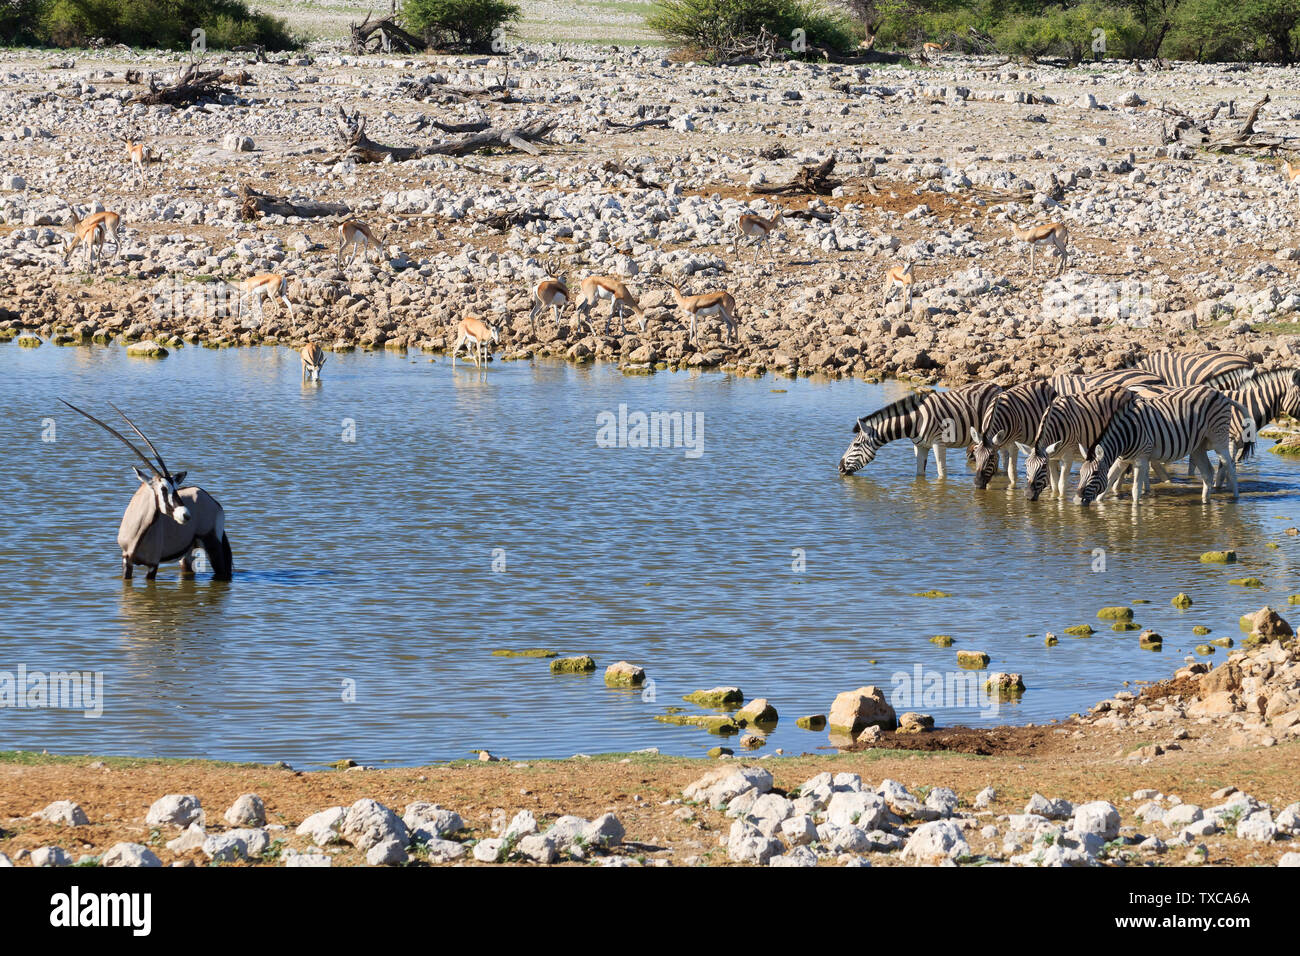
pixel 614 127
pixel 373 36
pixel 192 85
pixel 809 179
pixel 360 148
pixel 254 205
pixel 502 221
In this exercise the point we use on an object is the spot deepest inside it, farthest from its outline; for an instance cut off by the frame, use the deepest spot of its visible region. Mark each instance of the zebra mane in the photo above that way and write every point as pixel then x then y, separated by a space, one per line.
pixel 904 406
pixel 1262 379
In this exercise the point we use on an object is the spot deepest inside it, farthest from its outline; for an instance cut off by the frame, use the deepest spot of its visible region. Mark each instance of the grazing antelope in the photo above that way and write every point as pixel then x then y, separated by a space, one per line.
pixel 932 48
pixel 1292 173
pixel 754 226
pixel 551 293
pixel 707 304
pixel 164 521
pixel 474 331
pixel 140 155
pixel 268 285
pixel 92 231
pixel 595 288
pixel 899 277
pixel 1053 233
pixel 357 235
pixel 313 360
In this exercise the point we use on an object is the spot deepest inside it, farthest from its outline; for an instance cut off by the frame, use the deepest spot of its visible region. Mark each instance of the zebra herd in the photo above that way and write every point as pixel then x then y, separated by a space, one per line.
pixel 1169 406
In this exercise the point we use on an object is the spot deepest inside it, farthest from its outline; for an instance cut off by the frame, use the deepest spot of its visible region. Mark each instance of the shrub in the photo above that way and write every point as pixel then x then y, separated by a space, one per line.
pixel 711 27
pixel 469 25
pixel 167 24
pixel 20 21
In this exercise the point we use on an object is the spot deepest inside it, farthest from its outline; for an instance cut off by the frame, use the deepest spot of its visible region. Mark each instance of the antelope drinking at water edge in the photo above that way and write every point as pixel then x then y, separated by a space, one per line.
pixel 164 521
pixel 474 331
pixel 313 360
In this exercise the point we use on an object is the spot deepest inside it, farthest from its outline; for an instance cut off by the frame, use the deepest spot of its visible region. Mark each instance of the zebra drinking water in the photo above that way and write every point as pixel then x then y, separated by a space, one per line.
pixel 1010 420
pixel 934 420
pixel 1071 422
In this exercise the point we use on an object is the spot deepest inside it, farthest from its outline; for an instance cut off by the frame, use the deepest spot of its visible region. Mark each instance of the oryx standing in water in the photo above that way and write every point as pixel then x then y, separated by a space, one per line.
pixel 164 521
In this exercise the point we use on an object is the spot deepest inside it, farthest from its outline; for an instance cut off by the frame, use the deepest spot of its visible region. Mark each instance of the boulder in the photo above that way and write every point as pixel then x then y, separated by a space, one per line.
pixel 865 707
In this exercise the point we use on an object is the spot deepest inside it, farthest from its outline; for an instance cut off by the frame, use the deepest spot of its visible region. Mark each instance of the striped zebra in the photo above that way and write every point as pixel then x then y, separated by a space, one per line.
pixel 1262 398
pixel 1072 423
pixel 933 420
pixel 1222 370
pixel 1011 419
pixel 1177 424
pixel 1128 377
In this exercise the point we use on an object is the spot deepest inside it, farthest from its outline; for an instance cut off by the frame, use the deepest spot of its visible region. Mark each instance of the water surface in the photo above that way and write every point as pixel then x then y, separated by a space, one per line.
pixel 372 560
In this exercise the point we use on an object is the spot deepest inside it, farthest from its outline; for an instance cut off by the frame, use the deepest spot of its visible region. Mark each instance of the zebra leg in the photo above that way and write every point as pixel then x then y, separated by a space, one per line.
pixel 1230 463
pixel 1013 463
pixel 941 459
pixel 921 454
pixel 1162 473
pixel 1201 462
pixel 1141 477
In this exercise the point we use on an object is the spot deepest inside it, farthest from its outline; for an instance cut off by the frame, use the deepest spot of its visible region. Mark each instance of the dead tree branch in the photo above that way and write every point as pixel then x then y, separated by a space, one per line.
pixel 253 205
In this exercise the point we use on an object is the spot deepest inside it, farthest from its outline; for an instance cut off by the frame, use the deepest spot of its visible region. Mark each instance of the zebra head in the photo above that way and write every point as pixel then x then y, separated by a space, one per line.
pixel 1036 467
pixel 985 449
pixel 1291 400
pixel 1092 476
pixel 862 451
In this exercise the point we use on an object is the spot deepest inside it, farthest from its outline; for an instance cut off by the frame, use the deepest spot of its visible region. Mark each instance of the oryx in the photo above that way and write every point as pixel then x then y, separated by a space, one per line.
pixel 164 521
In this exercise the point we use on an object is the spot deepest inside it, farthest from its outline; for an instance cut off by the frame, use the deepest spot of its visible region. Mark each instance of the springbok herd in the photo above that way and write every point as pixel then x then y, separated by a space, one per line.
pixel 1170 406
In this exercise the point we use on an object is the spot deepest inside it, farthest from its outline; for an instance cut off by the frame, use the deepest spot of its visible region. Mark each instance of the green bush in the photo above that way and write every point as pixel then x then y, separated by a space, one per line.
pixel 469 25
pixel 20 21
pixel 710 27
pixel 167 24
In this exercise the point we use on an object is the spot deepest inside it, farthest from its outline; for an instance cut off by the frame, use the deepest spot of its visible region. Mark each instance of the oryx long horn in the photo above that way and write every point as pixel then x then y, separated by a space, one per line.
pixel 118 435
pixel 166 470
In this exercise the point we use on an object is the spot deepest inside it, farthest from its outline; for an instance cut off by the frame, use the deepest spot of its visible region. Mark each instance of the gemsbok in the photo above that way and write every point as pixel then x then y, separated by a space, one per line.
pixel 357 235
pixel 313 360
pixel 718 303
pixel 898 277
pixel 756 227
pixel 268 285
pixel 474 331
pixel 595 288
pixel 92 231
pixel 164 521
pixel 1053 233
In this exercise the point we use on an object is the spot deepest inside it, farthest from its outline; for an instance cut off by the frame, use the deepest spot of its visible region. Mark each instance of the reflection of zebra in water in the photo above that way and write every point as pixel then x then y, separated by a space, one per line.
pixel 1071 422
pixel 1011 419
pixel 1221 370
pixel 935 420
pixel 1167 428
pixel 1261 399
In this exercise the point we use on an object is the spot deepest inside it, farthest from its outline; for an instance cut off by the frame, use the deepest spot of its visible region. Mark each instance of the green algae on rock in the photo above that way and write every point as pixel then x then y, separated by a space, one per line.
pixel 624 674
pixel 931 594
pixel 1247 582
pixel 1181 600
pixel 1080 630
pixel 716 697
pixel 811 722
pixel 1219 557
pixel 972 660
pixel 573 665
pixel 943 640
pixel 1116 614
pixel 526 652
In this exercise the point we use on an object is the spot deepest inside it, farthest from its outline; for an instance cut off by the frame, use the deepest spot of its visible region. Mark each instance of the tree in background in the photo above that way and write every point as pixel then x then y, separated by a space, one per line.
pixel 467 25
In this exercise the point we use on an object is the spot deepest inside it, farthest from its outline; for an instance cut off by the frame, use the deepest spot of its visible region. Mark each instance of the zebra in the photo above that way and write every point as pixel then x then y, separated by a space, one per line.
pixel 1262 398
pixel 1071 422
pixel 932 420
pixel 1011 418
pixel 1128 377
pixel 1174 425
pixel 1221 370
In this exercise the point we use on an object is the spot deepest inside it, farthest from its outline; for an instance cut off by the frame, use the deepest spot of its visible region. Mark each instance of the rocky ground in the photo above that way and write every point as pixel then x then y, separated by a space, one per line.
pixel 1171 245
pixel 1198 769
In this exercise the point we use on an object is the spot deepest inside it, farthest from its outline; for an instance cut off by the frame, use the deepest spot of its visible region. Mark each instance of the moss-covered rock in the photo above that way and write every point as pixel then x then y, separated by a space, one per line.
pixel 943 640
pixel 1204 649
pixel 1080 630
pixel 1123 626
pixel 1219 557
pixel 717 697
pixel 1247 582
pixel 146 349
pixel 1011 685
pixel 972 660
pixel 1200 629
pixel 758 712
pixel 716 752
pixel 1181 600
pixel 931 594
pixel 713 724
pixel 526 652
pixel 29 341
pixel 1223 641
pixel 573 665
pixel 1116 614
pixel 624 674
pixel 811 722
pixel 1051 640
pixel 1150 639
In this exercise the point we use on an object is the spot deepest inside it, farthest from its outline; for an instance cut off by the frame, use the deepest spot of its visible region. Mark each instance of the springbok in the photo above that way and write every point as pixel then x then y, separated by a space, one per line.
pixel 595 288
pixel 898 277
pixel 1053 233
pixel 140 155
pixel 268 285
pixel 932 48
pixel 551 293
pixel 1292 173
pixel 357 235
pixel 754 226
pixel 474 331
pixel 313 360
pixel 164 521
pixel 707 304
pixel 92 231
